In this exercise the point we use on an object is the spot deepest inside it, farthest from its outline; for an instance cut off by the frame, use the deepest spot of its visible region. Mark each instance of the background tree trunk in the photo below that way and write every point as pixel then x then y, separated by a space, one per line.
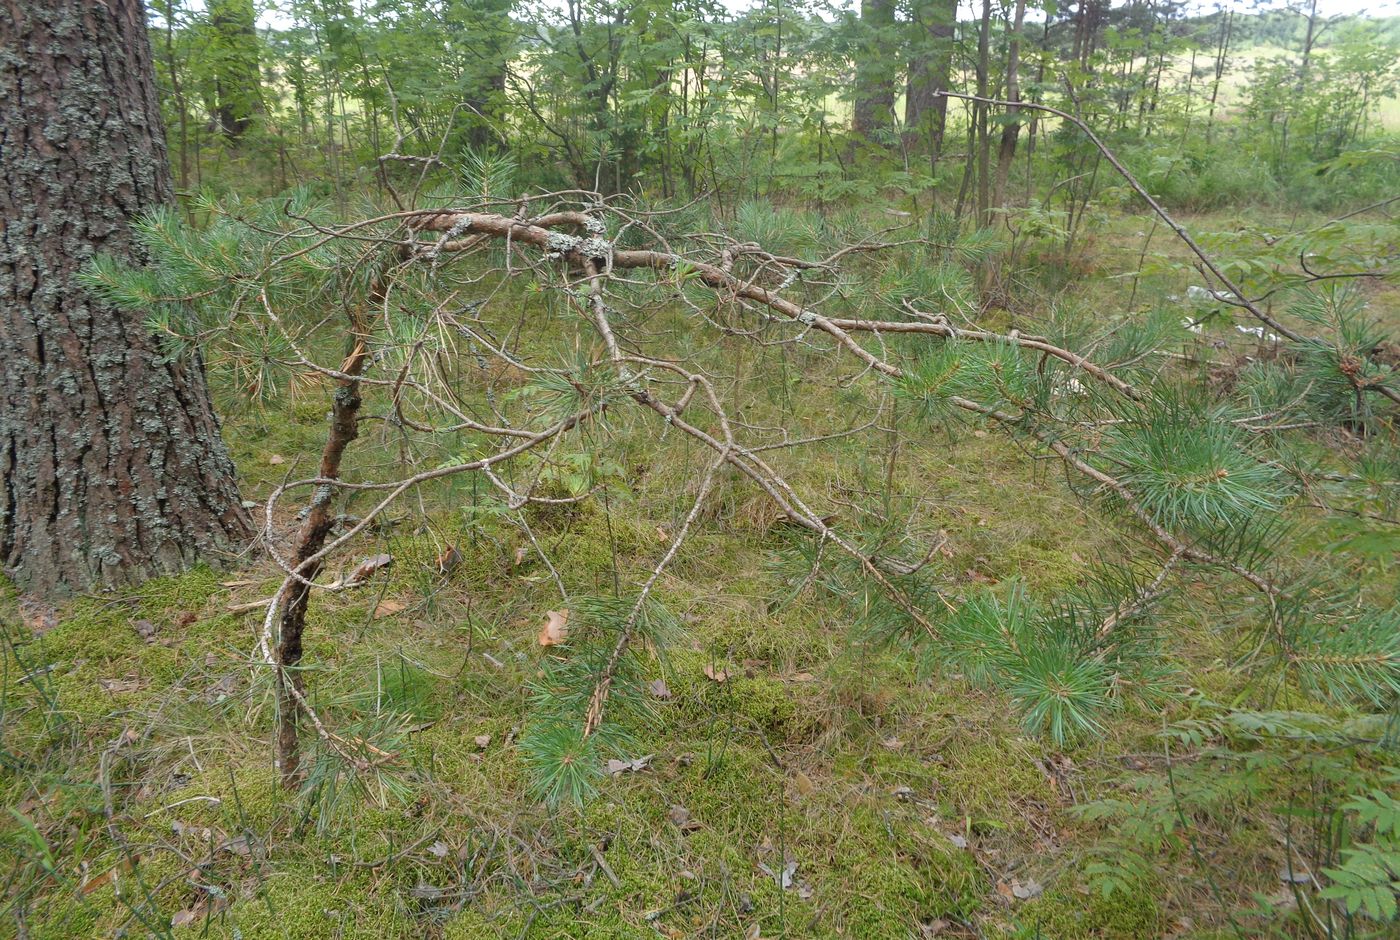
pixel 111 464
pixel 875 70
pixel 984 142
pixel 925 113
pixel 1222 52
pixel 1009 132
pixel 238 79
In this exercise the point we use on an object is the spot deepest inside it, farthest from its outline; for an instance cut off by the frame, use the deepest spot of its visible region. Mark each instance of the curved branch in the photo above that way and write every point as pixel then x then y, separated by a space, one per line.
pixel 1209 262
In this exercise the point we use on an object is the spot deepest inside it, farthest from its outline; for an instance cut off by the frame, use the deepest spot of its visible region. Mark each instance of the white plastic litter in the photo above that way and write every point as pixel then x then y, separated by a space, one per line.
pixel 1258 331
pixel 1197 294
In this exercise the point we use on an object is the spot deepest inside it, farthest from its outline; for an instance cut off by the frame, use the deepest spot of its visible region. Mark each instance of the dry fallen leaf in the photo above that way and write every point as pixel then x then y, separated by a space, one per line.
pixel 368 567
pixel 483 741
pixel 184 918
pixel 448 561
pixel 98 881
pixel 556 627
pixel 93 884
pixel 718 675
pixel 1024 892
pixel 276 459
pixel 680 818
pixel 783 877
pixel 237 846
pixel 804 784
pixel 802 677
pixel 199 833
pixel 388 607
pixel 616 767
pixel 520 554
pixel 221 690
pixel 129 684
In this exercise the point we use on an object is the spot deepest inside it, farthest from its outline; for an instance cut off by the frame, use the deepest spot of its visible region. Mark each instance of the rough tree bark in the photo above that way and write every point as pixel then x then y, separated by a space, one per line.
pixel 875 70
pixel 111 464
pixel 925 112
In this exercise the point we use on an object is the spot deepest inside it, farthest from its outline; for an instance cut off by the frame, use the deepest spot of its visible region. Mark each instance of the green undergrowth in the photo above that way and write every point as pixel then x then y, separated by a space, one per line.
pixel 902 801
pixel 787 777
pixel 814 750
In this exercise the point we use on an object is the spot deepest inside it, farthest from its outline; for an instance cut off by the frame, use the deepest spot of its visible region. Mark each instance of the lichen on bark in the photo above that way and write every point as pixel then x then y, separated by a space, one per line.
pixel 112 468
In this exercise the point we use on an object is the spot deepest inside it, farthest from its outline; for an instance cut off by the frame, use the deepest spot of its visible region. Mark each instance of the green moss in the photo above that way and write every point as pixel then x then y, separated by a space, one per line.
pixel 449 755
pixel 250 797
pixel 988 781
pixel 105 630
pixel 403 687
pixel 80 699
pixel 473 925
pixel 186 593
pixel 91 632
pixel 888 769
pixel 305 905
pixel 64 916
pixel 586 545
pixel 779 640
pixel 733 788
pixel 730 752
pixel 1070 914
pixel 749 700
pixel 1049 570
pixel 766 703
pixel 903 873
pixel 887 900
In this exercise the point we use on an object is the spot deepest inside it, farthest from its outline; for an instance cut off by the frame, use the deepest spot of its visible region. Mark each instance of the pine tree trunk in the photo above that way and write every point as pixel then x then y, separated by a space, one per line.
pixel 237 78
pixel 1221 52
pixel 1012 129
pixel 984 142
pixel 925 112
pixel 875 70
pixel 111 464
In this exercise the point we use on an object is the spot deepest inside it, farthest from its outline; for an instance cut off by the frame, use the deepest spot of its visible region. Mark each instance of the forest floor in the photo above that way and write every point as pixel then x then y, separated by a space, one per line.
pixel 791 780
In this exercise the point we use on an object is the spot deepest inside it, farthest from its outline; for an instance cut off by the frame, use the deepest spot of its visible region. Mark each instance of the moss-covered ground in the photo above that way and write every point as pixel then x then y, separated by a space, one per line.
pixel 825 789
